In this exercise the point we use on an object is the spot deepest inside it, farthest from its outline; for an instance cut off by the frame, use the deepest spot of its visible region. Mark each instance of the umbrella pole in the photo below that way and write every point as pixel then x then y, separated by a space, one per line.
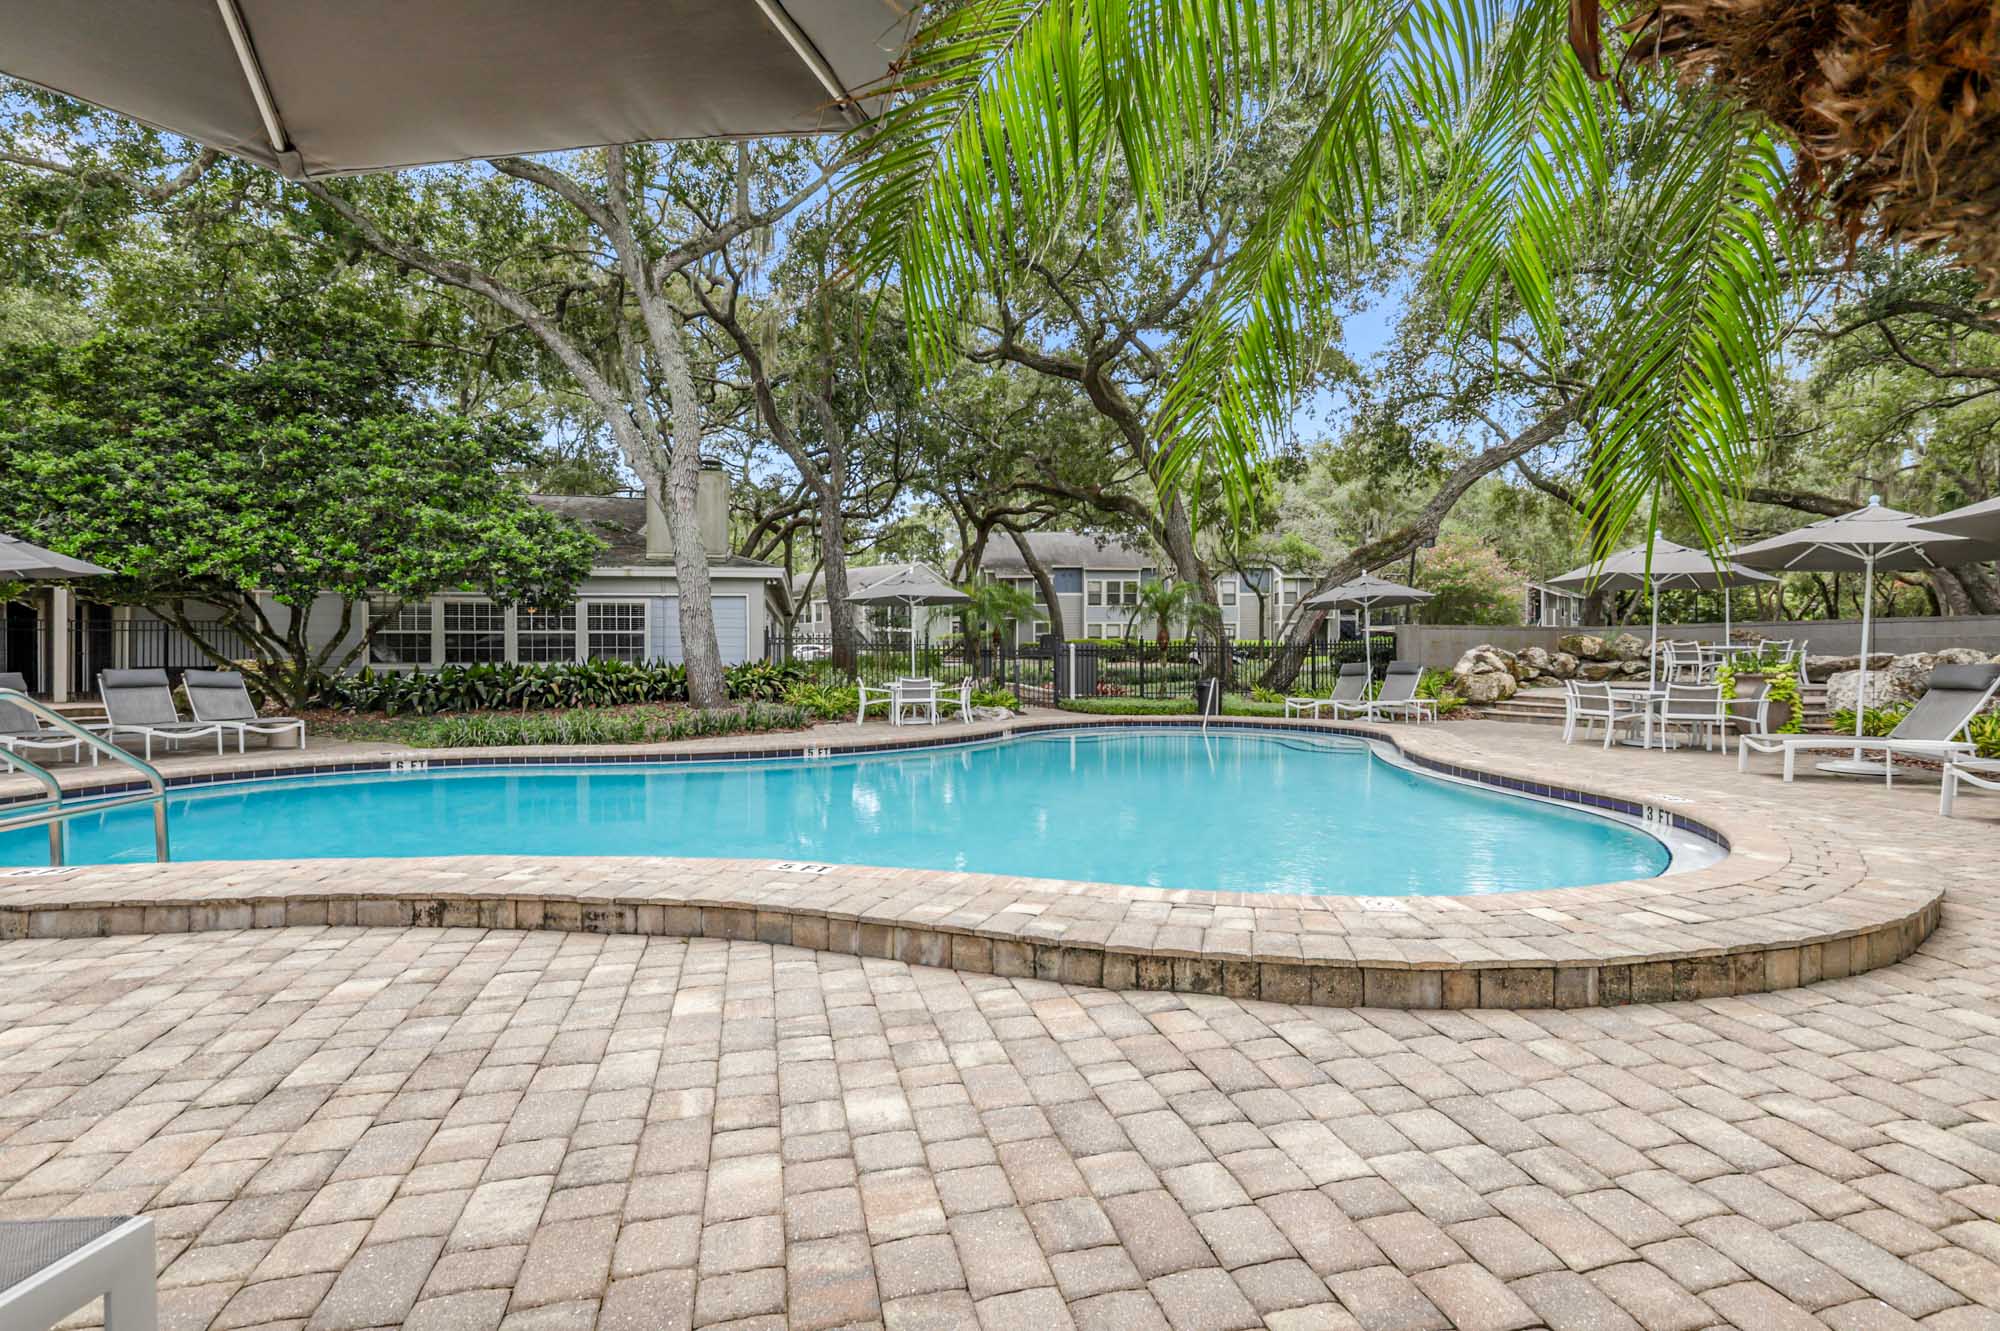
pixel 1368 639
pixel 1867 630
pixel 1725 614
pixel 1653 652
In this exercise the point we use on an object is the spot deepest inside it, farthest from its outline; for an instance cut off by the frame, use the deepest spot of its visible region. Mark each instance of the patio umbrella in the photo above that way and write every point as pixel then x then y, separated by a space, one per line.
pixel 1866 540
pixel 1364 594
pixel 1975 522
pixel 911 585
pixel 373 85
pixel 1674 566
pixel 21 561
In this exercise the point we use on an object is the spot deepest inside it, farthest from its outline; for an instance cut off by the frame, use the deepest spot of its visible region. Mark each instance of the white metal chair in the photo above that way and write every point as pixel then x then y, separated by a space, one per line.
pixel 1699 707
pixel 912 700
pixel 872 695
pixel 1981 772
pixel 958 696
pixel 1586 705
pixel 51 1268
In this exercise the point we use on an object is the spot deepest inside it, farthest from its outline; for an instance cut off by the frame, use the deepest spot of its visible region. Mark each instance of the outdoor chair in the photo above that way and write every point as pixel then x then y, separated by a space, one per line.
pixel 913 699
pixel 1351 684
pixel 221 696
pixel 1398 696
pixel 1699 707
pixel 21 731
pixel 1934 728
pixel 50 1269
pixel 1586 705
pixel 141 702
pixel 1680 663
pixel 958 696
pixel 1981 772
pixel 871 695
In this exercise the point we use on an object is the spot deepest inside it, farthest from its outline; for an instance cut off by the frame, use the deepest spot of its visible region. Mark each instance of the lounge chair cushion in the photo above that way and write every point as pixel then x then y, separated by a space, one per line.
pixel 138 698
pixel 1949 701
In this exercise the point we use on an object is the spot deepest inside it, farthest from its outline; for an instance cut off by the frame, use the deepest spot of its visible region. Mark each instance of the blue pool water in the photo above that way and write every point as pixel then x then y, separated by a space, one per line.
pixel 1239 812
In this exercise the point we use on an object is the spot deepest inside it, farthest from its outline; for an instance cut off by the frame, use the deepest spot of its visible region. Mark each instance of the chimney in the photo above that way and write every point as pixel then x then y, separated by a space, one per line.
pixel 711 508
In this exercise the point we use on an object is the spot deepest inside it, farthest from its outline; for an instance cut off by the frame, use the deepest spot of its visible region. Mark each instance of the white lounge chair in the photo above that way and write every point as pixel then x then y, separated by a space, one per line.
pixel 222 697
pixel 49 1269
pixel 1935 727
pixel 1398 696
pixel 1981 772
pixel 1351 683
pixel 22 732
pixel 141 702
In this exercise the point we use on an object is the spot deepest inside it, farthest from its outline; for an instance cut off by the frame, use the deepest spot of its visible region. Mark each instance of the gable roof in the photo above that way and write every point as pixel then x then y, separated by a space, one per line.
pixel 860 577
pixel 620 522
pixel 1063 549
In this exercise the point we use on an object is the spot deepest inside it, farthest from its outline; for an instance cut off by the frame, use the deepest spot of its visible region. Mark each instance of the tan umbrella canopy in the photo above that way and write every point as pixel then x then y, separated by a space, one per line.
pixel 1364 594
pixel 21 561
pixel 324 88
pixel 1673 567
pixel 1975 522
pixel 912 585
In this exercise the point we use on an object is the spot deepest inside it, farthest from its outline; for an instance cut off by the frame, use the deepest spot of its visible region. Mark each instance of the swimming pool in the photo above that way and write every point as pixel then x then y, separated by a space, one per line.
pixel 1241 812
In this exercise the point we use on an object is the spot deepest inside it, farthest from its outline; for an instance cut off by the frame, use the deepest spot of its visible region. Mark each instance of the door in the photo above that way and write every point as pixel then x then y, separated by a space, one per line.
pixel 732 621
pixel 21 647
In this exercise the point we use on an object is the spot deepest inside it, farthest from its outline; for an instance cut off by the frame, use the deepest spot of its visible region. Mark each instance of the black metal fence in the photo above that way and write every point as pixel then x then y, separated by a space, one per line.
pixel 103 643
pixel 1050 671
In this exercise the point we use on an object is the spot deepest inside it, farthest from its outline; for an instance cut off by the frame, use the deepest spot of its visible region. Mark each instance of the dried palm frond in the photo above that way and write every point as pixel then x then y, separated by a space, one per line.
pixel 1893 105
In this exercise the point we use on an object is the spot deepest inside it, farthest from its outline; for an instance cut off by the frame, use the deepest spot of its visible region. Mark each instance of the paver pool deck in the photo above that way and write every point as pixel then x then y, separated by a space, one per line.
pixel 339 1127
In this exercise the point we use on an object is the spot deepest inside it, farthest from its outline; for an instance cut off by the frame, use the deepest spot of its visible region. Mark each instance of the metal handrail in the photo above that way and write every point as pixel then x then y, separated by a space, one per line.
pixel 55 800
pixel 59 813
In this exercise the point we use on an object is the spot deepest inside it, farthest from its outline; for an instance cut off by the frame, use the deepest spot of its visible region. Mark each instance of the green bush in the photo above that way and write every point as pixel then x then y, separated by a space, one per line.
pixel 827 702
pixel 1875 721
pixel 996 698
pixel 1985 732
pixel 762 681
pixel 1129 706
pixel 504 729
pixel 476 688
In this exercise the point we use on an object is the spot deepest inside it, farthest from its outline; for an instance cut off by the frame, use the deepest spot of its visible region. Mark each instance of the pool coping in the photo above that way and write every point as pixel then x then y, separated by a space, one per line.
pixel 1751 922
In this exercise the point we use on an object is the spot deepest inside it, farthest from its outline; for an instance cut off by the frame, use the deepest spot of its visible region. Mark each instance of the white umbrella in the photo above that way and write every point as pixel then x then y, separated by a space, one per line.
pixel 911 585
pixel 1365 593
pixel 1863 541
pixel 1672 566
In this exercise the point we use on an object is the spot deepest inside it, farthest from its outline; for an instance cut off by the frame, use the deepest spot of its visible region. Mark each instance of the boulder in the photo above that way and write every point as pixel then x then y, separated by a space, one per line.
pixel 1485 674
pixel 1633 669
pixel 1487 686
pixel 1535 661
pixel 1821 668
pixel 1628 647
pixel 1563 665
pixel 1596 672
pixel 1587 646
pixel 1897 681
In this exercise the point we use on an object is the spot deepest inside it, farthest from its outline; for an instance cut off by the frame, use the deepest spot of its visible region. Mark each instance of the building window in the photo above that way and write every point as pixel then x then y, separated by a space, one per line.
pixel 617 630
pixel 1225 591
pixel 546 635
pixel 474 632
pixel 1296 588
pixel 404 640
pixel 1113 592
pixel 1068 581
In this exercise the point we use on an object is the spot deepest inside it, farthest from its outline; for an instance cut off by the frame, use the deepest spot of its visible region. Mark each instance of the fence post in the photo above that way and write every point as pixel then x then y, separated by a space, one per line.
pixel 1068 683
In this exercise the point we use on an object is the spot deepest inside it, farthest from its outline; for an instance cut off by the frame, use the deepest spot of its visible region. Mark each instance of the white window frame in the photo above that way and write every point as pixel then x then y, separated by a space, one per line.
pixel 430 630
pixel 584 631
pixel 517 630
pixel 441 644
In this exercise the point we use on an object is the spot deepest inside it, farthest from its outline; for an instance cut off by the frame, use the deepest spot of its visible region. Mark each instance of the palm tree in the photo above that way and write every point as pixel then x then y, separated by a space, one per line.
pixel 1165 602
pixel 995 608
pixel 1468 127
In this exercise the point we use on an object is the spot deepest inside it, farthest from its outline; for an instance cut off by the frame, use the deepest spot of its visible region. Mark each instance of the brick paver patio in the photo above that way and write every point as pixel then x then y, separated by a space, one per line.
pixel 339 1128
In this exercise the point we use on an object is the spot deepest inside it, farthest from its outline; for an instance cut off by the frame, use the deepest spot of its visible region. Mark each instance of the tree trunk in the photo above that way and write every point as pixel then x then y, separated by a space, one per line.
pixel 1044 580
pixel 699 651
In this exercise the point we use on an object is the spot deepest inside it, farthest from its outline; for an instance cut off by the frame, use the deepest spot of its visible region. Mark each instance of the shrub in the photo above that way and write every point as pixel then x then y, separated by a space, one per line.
pixel 764 681
pixel 1985 732
pixel 996 698
pixel 1129 706
pixel 826 702
pixel 1875 721
pixel 502 729
pixel 475 688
